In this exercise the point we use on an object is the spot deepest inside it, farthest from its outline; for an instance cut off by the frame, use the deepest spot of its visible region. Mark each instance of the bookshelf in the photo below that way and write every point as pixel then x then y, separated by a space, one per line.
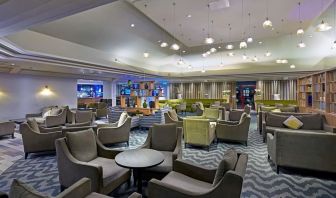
pixel 317 93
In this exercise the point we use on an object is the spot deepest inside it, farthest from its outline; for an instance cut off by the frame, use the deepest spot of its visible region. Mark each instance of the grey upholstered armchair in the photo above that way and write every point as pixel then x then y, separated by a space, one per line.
pixel 80 154
pixel 226 130
pixel 191 180
pixel 7 128
pixel 80 189
pixel 55 117
pixel 115 132
pixel 84 116
pixel 102 110
pixel 38 139
pixel 172 117
pixel 235 114
pixel 165 138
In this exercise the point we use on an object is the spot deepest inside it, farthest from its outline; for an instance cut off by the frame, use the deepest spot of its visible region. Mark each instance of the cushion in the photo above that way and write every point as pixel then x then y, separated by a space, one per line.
pixel 228 163
pixel 173 115
pixel 293 123
pixel 242 117
pixel 275 120
pixel 40 120
pixel 184 182
pixel 47 113
pixel 55 111
pixel 82 145
pixel 166 166
pixel 311 122
pixel 33 125
pixel 111 171
pixel 21 190
pixel 266 108
pixel 278 105
pixel 287 109
pixel 164 137
pixel 123 118
pixel 276 110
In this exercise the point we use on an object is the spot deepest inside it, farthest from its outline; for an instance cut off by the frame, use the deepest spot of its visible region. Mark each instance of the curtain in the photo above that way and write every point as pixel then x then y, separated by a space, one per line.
pixel 286 89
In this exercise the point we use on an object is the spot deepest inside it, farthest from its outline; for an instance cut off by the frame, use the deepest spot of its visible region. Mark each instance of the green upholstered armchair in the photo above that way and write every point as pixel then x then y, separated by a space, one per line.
pixel 212 114
pixel 198 131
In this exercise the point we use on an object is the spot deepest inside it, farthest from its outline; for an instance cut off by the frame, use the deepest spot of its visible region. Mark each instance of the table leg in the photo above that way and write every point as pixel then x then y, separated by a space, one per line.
pixel 139 177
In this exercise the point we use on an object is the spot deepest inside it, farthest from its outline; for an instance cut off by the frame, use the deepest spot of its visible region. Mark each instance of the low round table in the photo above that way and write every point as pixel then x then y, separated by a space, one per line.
pixel 139 159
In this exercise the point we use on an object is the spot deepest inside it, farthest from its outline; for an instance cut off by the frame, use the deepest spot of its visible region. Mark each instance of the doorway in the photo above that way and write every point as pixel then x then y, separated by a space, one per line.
pixel 245 91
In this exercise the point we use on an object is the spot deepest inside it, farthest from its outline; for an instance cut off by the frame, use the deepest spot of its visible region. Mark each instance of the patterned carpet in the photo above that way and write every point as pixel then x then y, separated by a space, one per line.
pixel 260 180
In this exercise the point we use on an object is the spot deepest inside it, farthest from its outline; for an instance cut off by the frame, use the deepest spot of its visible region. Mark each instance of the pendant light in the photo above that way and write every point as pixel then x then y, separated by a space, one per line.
pixel 174 46
pixel 300 31
pixel 164 43
pixel 323 26
pixel 242 44
pixel 180 62
pixel 209 39
pixel 229 46
pixel 249 39
pixel 267 23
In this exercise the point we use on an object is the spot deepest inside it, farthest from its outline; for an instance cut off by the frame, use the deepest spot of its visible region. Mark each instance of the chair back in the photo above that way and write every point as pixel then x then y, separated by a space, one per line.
pixel 83 116
pixel 163 137
pixel 102 105
pixel 212 113
pixel 196 131
pixel 247 109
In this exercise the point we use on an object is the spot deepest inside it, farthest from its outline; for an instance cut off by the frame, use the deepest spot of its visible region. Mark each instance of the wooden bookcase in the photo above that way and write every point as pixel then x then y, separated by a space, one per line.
pixel 317 93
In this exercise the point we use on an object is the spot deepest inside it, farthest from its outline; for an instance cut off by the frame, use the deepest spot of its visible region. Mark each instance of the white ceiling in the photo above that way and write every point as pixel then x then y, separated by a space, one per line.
pixel 102 34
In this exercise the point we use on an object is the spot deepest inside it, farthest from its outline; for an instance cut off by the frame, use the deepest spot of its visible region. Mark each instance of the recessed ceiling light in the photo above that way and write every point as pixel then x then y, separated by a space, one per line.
pixel 213 50
pixel 164 44
pixel 203 70
pixel 175 47
pixel 292 66
pixel 260 42
pixel 188 16
pixel 159 41
pixel 204 55
pixel 209 40
pixel 146 54
pixel 281 61
pixel 12 64
pixel 184 51
pixel 229 46
pixel 230 54
pixel 132 25
pixel 219 47
pixel 208 52
pixel 268 54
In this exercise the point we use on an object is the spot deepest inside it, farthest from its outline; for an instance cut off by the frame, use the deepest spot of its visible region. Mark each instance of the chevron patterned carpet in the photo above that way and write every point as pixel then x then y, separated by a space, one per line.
pixel 260 180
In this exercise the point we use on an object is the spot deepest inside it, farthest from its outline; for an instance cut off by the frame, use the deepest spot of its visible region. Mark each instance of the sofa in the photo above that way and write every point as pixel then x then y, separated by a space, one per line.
pixel 51 116
pixel 189 102
pixel 306 149
pixel 7 128
pixel 312 122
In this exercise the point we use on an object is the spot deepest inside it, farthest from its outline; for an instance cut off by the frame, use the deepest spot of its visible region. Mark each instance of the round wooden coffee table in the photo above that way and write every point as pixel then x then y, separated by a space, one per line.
pixel 138 160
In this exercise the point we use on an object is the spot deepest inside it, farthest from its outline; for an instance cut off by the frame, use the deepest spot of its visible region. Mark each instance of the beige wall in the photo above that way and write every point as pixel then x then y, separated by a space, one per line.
pixel 20 94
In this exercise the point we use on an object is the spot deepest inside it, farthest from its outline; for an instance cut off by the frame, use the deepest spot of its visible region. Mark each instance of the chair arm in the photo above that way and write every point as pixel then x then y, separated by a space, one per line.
pixel 195 171
pixel 105 152
pixel 271 147
pixel 51 129
pixel 135 195
pixel 179 118
pixel 78 124
pixel 329 128
pixel 74 129
pixel 177 154
pixel 226 122
pixel 81 188
pixel 157 188
pixel 3 195
pixel 32 115
pixel 147 143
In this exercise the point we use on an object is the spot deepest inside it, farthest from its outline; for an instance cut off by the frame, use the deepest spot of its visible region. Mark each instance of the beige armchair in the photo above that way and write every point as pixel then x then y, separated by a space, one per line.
pixel 191 180
pixel 165 138
pixel 172 117
pixel 50 117
pixel 80 154
pixel 7 128
pixel 235 114
pixel 226 130
pixel 117 132
pixel 84 116
pixel 80 189
pixel 102 110
pixel 38 139
pixel 199 132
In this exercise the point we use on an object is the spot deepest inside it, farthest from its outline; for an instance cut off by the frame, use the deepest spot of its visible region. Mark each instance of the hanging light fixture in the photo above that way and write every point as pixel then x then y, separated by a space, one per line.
pixel 267 23
pixel 163 43
pixel 333 46
pixel 209 39
pixel 323 26
pixel 244 56
pixel 292 66
pixel 230 54
pixel 268 54
pixel 229 46
pixel 213 50
pixel 174 46
pixel 249 39
pixel 255 59
pixel 242 44
pixel 300 31
pixel 301 44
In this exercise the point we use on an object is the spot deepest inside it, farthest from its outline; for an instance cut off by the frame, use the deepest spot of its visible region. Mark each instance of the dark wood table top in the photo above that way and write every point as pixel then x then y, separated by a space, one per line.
pixel 139 158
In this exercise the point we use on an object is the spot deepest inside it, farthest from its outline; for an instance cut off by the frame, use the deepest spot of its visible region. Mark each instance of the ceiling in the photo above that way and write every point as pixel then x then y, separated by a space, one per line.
pixel 102 40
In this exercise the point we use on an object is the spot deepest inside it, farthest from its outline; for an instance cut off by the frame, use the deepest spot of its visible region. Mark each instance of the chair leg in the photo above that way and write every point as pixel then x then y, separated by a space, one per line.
pixel 13 136
pixel 185 145
pixel 26 155
pixel 268 157
pixel 277 168
pixel 62 188
pixel 127 143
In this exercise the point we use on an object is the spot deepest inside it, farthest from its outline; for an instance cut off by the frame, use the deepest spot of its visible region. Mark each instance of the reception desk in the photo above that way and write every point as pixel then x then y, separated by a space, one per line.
pixel 144 111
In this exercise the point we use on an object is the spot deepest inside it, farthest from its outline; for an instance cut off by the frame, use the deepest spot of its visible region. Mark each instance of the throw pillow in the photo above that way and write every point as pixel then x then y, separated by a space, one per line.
pixel 293 123
pixel 173 115
pixel 122 118
pixel 228 163
pixel 19 189
pixel 276 110
pixel 33 125
pixel 47 113
pixel 55 111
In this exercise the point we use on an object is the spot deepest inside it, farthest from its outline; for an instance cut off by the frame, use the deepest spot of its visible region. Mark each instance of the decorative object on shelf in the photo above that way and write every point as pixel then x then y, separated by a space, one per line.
pixel 146 85
pixel 144 105
pixel 258 92
pixel 226 92
pixel 129 83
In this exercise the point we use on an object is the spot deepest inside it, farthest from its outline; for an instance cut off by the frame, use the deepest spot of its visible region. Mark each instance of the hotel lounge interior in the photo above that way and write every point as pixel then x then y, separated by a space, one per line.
pixel 167 98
